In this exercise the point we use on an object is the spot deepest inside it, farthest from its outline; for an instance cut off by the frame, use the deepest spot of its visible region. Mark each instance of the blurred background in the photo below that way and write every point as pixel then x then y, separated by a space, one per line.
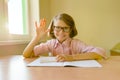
pixel 97 21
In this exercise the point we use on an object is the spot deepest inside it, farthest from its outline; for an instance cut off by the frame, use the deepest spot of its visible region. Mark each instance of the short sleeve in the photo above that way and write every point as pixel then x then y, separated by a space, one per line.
pixel 82 47
pixel 43 48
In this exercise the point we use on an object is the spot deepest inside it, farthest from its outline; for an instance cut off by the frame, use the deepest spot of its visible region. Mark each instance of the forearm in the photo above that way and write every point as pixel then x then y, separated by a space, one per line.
pixel 28 51
pixel 40 32
pixel 82 56
pixel 86 56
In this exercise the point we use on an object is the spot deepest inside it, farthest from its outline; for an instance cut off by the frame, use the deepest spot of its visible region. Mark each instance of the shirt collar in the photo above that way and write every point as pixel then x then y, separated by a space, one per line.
pixel 65 43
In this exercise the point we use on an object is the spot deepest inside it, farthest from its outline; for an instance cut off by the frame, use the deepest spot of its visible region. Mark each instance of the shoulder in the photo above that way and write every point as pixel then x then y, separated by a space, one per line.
pixel 76 41
pixel 51 41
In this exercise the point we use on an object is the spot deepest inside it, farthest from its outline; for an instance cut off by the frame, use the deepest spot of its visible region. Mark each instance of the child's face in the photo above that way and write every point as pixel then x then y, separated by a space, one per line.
pixel 61 30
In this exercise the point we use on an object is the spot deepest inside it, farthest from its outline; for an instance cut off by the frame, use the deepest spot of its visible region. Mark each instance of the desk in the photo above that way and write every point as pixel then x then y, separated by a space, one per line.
pixel 14 68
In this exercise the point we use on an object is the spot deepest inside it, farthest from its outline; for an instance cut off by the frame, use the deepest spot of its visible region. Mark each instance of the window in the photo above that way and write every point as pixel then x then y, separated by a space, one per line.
pixel 14 20
pixel 17 19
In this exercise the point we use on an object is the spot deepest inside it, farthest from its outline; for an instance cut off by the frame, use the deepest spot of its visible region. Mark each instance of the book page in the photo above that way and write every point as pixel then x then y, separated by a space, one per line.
pixel 83 63
pixel 51 61
pixel 46 61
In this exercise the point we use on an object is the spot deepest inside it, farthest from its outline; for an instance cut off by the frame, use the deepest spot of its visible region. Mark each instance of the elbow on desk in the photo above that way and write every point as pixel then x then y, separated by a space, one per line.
pixel 29 55
pixel 25 55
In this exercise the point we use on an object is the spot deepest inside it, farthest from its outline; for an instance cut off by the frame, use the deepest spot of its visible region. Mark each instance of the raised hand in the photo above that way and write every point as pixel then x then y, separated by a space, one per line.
pixel 41 30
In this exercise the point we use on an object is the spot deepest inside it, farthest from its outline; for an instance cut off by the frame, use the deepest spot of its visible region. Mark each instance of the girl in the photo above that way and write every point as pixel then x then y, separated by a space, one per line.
pixel 62 45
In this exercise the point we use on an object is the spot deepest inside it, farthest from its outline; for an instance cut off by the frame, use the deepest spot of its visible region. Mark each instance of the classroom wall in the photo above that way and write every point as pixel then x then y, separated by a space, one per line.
pixel 97 21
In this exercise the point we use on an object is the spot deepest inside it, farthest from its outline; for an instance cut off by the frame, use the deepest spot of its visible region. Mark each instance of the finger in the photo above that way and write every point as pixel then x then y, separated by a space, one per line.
pixel 42 22
pixel 48 30
pixel 42 25
pixel 59 58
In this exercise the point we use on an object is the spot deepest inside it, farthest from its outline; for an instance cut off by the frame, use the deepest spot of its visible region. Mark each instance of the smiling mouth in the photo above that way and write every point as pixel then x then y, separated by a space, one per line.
pixel 61 36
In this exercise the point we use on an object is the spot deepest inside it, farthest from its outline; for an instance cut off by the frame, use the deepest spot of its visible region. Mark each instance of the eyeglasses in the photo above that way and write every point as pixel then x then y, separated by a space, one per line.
pixel 65 29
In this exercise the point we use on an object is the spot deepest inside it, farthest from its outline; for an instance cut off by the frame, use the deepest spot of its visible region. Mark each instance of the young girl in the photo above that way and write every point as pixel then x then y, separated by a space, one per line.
pixel 62 29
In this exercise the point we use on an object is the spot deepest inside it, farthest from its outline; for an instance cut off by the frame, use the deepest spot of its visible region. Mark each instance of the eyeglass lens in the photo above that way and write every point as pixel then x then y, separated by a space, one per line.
pixel 65 29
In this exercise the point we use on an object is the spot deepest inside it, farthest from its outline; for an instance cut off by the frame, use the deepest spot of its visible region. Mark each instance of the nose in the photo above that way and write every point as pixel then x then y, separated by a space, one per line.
pixel 62 30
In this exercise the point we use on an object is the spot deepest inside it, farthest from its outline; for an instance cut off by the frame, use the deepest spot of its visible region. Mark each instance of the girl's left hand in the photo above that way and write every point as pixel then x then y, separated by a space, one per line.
pixel 62 58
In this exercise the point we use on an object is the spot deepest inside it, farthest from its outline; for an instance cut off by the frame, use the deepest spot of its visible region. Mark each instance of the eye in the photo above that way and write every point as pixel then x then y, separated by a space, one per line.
pixel 57 27
pixel 66 28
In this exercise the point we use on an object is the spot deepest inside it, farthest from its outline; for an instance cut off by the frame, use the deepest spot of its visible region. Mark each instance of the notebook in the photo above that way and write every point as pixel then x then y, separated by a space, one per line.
pixel 51 61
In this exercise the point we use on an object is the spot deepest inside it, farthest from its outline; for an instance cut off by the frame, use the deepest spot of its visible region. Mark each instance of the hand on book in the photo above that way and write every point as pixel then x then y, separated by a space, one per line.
pixel 63 57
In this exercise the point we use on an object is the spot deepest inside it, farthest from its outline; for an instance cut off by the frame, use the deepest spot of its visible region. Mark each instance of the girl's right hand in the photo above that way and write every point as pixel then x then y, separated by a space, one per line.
pixel 41 30
pixel 63 57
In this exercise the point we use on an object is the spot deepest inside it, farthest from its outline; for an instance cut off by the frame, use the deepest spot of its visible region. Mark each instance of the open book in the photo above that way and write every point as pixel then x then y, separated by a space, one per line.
pixel 51 61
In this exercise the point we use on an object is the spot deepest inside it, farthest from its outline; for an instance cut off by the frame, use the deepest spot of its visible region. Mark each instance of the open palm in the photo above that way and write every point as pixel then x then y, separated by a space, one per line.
pixel 41 30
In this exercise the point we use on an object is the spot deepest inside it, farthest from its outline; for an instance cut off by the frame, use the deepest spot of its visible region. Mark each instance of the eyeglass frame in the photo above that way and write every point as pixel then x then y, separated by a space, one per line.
pixel 62 28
